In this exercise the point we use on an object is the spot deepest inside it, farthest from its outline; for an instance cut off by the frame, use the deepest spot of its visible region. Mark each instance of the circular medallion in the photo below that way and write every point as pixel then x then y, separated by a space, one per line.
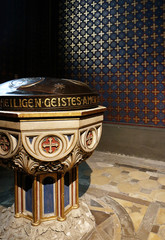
pixel 50 146
pixel 89 138
pixel 4 144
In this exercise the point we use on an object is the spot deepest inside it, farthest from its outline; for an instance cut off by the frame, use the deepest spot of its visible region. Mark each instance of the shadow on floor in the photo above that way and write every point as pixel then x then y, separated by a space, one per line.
pixel 84 178
pixel 6 187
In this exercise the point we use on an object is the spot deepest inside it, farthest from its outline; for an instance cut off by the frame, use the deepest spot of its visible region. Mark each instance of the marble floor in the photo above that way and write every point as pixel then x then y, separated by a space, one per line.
pixel 126 195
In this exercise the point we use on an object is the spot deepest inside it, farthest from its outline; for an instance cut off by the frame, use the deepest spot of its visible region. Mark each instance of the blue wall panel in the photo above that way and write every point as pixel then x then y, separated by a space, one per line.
pixel 66 190
pixel 117 47
pixel 28 193
pixel 48 195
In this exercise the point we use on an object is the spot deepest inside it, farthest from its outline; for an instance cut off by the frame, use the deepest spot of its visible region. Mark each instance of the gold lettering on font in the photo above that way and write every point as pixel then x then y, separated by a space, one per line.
pixel 49 102
pixel 38 102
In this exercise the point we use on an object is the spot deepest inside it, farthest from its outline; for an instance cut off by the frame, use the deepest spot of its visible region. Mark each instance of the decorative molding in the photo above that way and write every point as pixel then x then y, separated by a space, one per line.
pixel 24 162
pixel 42 145
pixel 36 152
pixel 75 157
pixel 9 143
pixel 89 137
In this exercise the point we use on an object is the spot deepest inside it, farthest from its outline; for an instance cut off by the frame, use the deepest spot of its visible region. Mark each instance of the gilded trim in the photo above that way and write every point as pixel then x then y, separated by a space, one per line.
pixel 75 113
pixel 77 188
pixel 61 216
pixel 35 205
pixel 17 214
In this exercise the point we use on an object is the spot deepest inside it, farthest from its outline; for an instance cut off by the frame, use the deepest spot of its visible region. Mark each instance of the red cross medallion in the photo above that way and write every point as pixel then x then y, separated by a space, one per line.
pixel 89 138
pixel 50 144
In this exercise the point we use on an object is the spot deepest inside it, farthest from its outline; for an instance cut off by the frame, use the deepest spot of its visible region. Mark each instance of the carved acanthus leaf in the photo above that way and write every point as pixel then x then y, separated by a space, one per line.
pixel 25 162
pixel 75 157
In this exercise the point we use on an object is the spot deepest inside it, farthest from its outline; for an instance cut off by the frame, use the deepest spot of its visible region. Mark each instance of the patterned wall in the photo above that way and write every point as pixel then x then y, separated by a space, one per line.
pixel 117 46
